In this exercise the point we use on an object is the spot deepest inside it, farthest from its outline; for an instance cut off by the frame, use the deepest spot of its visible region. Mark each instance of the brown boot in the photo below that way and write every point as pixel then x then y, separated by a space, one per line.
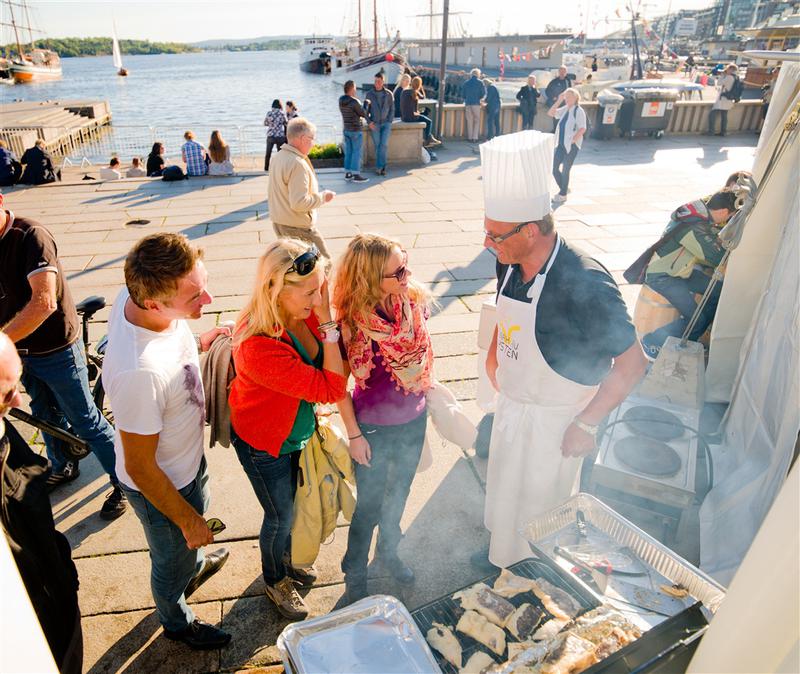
pixel 288 602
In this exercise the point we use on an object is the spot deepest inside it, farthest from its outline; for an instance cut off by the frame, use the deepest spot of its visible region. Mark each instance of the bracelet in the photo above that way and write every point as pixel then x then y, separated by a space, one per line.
pixel 327 326
pixel 356 437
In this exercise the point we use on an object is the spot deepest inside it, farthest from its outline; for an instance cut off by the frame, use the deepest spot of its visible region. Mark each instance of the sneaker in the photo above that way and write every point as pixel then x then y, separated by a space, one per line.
pixel 116 504
pixel 289 604
pixel 400 571
pixel 200 636
pixel 358 178
pixel 212 563
pixel 305 576
pixel 560 198
pixel 432 142
pixel 383 171
pixel 355 589
pixel 348 176
pixel 68 473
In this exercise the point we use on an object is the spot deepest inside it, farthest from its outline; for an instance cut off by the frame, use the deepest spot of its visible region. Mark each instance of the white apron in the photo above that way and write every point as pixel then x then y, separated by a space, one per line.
pixel 527 474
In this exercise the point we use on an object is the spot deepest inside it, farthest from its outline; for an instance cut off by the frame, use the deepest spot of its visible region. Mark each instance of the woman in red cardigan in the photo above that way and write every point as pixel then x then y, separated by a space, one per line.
pixel 287 359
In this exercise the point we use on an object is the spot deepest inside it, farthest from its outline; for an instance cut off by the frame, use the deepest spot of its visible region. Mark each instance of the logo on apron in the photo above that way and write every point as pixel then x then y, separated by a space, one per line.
pixel 507 345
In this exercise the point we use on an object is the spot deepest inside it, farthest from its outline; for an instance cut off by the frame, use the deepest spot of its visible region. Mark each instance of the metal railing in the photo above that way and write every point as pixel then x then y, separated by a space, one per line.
pixel 247 142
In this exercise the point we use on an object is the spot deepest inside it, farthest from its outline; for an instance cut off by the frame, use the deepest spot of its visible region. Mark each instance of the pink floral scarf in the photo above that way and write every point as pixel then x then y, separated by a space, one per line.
pixel 403 343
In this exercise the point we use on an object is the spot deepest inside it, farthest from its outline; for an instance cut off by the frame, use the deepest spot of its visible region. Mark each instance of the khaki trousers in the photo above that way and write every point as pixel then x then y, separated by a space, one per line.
pixel 472 113
pixel 309 234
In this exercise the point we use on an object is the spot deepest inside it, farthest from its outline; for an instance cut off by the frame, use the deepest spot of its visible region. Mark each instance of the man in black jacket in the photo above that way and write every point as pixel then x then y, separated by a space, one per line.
pixel 352 114
pixel 528 97
pixel 39 167
pixel 556 87
pixel 41 553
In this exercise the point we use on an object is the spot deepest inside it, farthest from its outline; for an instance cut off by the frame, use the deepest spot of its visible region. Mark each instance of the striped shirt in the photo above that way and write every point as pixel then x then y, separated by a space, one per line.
pixel 194 156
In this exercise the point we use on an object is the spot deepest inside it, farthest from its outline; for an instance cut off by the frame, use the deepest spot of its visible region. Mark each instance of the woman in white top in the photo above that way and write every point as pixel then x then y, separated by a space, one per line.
pixel 724 102
pixel 220 153
pixel 569 137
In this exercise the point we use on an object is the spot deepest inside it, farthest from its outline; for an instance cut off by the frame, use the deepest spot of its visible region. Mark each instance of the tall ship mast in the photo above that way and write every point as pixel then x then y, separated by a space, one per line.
pixel 32 64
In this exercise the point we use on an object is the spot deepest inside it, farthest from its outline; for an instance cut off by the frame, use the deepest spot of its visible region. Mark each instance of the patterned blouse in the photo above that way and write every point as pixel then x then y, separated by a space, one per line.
pixel 275 121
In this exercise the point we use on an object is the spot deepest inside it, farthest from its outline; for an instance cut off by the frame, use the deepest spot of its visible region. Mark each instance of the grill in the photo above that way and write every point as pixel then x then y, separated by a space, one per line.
pixel 447 610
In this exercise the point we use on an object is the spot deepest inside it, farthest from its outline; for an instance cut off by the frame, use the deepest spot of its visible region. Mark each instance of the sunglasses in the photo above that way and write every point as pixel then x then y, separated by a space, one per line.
pixel 304 264
pixel 494 238
pixel 402 271
pixel 216 525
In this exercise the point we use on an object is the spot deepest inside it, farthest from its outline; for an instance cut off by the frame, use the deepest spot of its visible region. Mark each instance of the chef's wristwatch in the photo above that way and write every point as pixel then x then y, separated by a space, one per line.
pixel 586 428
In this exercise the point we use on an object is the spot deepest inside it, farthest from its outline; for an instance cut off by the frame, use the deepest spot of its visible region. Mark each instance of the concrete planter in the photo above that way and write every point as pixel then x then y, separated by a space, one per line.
pixel 335 162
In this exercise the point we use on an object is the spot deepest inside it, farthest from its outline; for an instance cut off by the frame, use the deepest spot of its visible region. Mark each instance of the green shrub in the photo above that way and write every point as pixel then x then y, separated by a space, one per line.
pixel 328 151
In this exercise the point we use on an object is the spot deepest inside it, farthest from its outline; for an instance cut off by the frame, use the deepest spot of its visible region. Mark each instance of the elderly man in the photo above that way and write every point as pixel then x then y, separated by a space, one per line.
pixel 151 373
pixel 39 316
pixel 294 194
pixel 564 352
pixel 380 113
pixel 528 95
pixel 727 96
pixel 473 91
pixel 41 553
pixel 556 87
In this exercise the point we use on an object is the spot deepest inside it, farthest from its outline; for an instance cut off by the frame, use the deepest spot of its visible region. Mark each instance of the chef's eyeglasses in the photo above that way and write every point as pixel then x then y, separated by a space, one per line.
pixel 499 238
pixel 304 263
pixel 401 271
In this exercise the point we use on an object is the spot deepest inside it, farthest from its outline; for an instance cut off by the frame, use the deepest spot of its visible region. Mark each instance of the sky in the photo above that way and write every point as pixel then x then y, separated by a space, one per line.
pixel 194 20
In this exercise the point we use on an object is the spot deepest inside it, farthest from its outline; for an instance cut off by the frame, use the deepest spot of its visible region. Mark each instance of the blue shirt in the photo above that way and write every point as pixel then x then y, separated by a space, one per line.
pixel 194 156
pixel 473 91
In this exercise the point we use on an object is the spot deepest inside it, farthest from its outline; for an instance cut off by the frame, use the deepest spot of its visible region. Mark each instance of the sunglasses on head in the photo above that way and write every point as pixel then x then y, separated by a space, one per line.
pixel 216 525
pixel 401 272
pixel 304 264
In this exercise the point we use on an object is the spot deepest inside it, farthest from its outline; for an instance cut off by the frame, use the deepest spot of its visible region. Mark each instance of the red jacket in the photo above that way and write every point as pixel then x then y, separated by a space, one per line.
pixel 271 379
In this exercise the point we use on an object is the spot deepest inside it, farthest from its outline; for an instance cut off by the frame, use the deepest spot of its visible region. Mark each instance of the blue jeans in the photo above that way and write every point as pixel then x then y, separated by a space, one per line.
pixel 383 489
pixel 712 121
pixel 173 564
pixel 353 140
pixel 680 292
pixel 274 482
pixel 562 165
pixel 380 138
pixel 58 385
pixel 428 125
pixel 492 123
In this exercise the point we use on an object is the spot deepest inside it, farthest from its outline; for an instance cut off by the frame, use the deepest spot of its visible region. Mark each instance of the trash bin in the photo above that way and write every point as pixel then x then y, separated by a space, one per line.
pixel 608 107
pixel 646 111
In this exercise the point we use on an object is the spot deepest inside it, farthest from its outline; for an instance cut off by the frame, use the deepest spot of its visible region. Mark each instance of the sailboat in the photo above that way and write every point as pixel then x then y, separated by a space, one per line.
pixel 116 54
pixel 36 64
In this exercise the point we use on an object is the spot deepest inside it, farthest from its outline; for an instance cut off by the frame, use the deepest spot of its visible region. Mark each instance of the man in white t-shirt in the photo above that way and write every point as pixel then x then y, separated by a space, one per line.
pixel 152 377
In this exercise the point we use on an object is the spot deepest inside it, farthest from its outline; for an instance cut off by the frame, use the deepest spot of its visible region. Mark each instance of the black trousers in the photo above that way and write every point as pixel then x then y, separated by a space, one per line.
pixel 562 165
pixel 272 141
pixel 712 123
pixel 383 490
pixel 527 119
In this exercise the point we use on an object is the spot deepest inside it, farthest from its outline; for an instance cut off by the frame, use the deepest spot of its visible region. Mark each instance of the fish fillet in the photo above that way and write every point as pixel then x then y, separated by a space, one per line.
pixel 524 621
pixel 509 584
pixel 477 663
pixel 444 641
pixel 557 602
pixel 487 602
pixel 549 630
pixel 571 655
pixel 474 625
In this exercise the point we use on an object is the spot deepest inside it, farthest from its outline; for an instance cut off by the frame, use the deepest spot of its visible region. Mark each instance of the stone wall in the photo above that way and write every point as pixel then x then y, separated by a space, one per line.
pixel 405 144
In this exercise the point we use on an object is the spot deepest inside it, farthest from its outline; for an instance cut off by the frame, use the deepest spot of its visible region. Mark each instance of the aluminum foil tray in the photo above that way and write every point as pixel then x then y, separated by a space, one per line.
pixel 447 610
pixel 376 634
pixel 551 527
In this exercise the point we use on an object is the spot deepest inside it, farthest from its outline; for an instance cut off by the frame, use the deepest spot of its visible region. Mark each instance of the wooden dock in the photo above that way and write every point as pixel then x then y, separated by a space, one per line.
pixel 63 125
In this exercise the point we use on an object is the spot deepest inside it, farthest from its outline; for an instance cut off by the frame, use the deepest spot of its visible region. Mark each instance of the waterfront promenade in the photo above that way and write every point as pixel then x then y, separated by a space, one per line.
pixel 622 194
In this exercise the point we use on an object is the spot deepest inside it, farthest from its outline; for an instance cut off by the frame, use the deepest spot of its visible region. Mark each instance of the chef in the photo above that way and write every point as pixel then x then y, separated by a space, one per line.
pixel 564 351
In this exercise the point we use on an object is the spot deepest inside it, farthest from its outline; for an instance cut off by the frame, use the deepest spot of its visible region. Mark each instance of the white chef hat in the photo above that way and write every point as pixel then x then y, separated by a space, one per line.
pixel 516 176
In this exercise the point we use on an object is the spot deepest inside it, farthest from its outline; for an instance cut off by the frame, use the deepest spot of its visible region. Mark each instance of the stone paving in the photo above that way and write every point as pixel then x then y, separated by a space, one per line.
pixel 622 193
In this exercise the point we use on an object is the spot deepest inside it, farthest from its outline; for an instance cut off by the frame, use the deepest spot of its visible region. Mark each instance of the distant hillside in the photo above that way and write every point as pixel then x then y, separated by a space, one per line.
pixel 225 43
pixel 101 46
pixel 273 44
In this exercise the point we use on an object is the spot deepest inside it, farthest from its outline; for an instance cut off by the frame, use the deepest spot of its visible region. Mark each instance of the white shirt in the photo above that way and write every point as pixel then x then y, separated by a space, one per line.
pixel 153 384
pixel 726 83
pixel 108 173
pixel 135 172
pixel 575 121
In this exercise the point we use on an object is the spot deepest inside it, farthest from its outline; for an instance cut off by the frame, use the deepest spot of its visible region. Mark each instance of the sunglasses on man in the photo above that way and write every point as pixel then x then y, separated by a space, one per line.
pixel 304 263
pixel 499 238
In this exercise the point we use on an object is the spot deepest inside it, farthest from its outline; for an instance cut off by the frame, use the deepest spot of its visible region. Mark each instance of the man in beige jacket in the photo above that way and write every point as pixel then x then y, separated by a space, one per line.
pixel 294 195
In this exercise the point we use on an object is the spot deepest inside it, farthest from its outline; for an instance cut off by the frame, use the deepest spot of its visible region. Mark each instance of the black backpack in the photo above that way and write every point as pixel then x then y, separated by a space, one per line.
pixel 735 94
pixel 171 173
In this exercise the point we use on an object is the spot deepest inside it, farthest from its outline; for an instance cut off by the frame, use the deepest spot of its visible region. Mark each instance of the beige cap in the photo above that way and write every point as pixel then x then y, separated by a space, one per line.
pixel 516 176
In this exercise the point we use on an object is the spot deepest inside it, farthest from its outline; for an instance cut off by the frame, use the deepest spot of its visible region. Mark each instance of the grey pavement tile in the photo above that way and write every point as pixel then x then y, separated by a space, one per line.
pixel 464 389
pixel 446 254
pixel 475 302
pixel 133 642
pixel 455 344
pixel 392 229
pixel 432 216
pixel 618 261
pixel 460 288
pixel 395 207
pixel 447 239
pixel 445 324
pixel 654 229
pixel 359 220
pixel 449 368
pixel 624 244
pixel 75 262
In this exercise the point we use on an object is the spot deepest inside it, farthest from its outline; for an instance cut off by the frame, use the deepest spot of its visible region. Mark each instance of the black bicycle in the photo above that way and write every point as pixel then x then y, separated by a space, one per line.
pixel 74 447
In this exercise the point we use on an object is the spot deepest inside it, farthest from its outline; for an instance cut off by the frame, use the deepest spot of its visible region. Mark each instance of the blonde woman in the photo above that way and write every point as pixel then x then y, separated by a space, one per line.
pixel 403 83
pixel 220 154
pixel 286 356
pixel 383 315
pixel 569 132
